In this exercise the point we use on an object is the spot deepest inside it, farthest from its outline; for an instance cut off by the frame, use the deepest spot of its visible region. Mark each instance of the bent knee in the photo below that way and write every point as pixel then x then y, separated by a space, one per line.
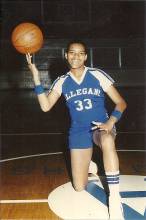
pixel 108 141
pixel 107 138
pixel 79 188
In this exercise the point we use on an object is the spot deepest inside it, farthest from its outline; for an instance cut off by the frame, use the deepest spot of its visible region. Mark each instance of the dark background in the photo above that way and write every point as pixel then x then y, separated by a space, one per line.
pixel 115 35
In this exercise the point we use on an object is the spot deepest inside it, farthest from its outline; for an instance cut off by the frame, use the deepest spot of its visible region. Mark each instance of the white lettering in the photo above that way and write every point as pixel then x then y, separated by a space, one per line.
pixel 67 96
pixel 72 94
pixel 90 91
pixel 83 91
pixel 97 92
pixel 79 92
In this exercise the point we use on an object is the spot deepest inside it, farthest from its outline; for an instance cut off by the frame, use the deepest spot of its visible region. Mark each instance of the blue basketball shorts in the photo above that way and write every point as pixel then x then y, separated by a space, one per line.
pixel 81 140
pixel 85 139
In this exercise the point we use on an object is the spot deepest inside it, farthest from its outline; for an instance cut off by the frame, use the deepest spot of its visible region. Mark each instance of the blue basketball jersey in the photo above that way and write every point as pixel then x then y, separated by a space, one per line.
pixel 85 98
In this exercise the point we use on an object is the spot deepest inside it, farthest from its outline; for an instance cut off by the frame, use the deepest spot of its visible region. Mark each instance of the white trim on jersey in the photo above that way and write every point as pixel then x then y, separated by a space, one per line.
pixel 82 77
pixel 57 84
pixel 104 73
pixel 105 80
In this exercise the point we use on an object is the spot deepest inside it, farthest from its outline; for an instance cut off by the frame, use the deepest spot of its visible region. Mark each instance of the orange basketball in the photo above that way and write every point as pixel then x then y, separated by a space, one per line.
pixel 27 38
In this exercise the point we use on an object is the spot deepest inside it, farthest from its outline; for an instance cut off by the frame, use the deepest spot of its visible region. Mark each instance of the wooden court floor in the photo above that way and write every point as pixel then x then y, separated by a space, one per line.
pixel 25 183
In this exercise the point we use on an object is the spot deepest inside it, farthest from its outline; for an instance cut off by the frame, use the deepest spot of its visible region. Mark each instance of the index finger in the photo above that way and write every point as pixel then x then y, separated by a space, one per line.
pixel 28 58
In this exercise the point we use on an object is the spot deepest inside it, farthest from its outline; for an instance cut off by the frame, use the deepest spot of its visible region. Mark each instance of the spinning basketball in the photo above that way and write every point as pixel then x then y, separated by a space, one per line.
pixel 27 38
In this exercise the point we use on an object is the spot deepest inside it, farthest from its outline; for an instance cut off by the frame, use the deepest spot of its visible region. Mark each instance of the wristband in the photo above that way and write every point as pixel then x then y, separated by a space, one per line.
pixel 38 89
pixel 117 114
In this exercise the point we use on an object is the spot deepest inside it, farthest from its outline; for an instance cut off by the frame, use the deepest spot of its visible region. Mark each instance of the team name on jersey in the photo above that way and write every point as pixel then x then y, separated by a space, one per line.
pixel 83 91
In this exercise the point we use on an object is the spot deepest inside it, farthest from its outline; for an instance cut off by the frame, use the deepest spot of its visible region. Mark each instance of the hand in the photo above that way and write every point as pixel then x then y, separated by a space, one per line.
pixel 103 126
pixel 28 58
pixel 97 124
pixel 32 67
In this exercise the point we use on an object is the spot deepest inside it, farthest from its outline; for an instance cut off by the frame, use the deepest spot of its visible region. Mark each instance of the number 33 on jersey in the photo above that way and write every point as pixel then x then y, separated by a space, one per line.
pixel 85 98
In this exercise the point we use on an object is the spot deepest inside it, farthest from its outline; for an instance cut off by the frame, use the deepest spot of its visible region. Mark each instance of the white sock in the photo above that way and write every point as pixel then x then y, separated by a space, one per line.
pixel 115 205
pixel 113 182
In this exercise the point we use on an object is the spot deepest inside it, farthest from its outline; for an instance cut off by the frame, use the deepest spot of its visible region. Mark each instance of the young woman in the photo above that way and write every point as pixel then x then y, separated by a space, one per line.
pixel 84 90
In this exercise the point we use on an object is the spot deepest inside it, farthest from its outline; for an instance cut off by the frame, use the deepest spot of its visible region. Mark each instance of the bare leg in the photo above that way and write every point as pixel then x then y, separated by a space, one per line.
pixel 80 160
pixel 110 157
pixel 111 164
pixel 107 144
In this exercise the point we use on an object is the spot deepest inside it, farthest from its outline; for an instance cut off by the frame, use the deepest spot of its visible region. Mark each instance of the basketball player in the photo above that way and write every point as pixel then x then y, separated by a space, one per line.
pixel 84 90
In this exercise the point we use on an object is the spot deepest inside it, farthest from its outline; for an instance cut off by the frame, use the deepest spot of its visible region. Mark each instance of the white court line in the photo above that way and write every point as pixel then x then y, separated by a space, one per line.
pixel 23 201
pixel 56 153
pixel 29 156
pixel 132 150
pixel 60 133
pixel 28 134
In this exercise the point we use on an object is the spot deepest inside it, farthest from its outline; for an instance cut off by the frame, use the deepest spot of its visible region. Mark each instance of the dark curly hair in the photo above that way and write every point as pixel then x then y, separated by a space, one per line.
pixel 76 42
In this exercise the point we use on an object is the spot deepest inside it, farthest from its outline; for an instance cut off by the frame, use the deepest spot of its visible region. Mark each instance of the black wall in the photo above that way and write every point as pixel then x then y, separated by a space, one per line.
pixel 115 35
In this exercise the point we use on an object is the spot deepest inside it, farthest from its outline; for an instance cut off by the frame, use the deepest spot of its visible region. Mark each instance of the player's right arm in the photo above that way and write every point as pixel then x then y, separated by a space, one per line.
pixel 46 101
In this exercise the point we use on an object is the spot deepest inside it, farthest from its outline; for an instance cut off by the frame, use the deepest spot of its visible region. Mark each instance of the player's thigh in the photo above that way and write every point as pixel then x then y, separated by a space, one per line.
pixel 80 159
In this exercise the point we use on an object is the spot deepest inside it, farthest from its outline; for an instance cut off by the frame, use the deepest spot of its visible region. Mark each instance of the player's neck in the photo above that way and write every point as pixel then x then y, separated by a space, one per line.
pixel 78 72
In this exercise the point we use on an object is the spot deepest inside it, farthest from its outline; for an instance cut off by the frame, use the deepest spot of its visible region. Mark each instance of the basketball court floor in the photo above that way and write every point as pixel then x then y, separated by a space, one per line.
pixel 38 187
pixel 35 171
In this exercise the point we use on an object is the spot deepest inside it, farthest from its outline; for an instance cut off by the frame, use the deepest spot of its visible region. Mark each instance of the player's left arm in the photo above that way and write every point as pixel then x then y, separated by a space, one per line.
pixel 120 105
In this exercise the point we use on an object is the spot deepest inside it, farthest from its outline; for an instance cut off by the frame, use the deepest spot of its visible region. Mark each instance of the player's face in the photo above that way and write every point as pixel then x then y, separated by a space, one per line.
pixel 76 56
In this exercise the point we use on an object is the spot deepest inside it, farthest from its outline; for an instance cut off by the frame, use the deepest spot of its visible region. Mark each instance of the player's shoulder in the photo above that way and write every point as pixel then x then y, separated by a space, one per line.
pixel 62 78
pixel 92 68
pixel 99 73
pixel 59 81
pixel 95 70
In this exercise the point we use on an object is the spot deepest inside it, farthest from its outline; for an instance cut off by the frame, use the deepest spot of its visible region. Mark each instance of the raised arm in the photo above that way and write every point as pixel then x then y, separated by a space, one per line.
pixel 46 101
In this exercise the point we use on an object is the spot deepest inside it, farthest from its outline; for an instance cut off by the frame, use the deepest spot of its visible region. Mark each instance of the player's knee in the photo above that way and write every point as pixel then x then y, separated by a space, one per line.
pixel 107 142
pixel 79 188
